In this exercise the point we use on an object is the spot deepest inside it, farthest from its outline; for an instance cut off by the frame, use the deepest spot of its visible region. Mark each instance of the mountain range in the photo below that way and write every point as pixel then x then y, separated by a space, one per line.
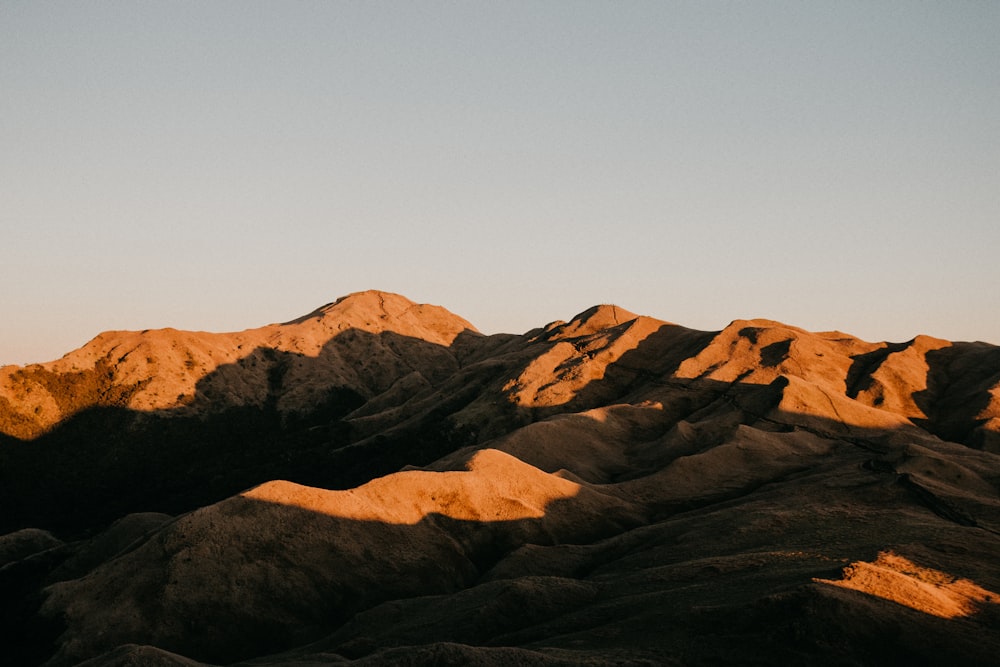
pixel 377 482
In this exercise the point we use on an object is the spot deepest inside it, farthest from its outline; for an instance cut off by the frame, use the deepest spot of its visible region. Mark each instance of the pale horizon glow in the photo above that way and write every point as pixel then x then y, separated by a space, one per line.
pixel 221 166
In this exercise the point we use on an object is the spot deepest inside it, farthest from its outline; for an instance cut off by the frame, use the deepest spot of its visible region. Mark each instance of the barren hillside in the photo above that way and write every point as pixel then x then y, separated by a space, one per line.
pixel 378 483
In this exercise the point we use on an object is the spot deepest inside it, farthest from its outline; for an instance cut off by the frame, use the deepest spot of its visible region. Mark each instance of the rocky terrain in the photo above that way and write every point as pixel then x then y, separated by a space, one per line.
pixel 379 483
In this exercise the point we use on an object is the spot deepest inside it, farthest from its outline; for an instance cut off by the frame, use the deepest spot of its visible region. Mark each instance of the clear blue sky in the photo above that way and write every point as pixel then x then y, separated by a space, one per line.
pixel 223 165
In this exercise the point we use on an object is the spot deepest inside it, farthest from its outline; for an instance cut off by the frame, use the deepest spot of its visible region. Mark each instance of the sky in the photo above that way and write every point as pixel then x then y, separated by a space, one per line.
pixel 220 166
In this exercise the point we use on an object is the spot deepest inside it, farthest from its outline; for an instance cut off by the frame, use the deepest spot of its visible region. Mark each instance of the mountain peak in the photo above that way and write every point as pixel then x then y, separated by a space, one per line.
pixel 597 318
pixel 375 311
pixel 372 300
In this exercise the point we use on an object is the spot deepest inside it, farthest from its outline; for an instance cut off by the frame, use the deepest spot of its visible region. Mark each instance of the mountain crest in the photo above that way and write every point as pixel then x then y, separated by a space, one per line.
pixel 594 320
pixel 377 311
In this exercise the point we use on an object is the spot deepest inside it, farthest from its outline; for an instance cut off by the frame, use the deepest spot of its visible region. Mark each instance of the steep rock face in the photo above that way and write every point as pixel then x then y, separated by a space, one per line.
pixel 614 489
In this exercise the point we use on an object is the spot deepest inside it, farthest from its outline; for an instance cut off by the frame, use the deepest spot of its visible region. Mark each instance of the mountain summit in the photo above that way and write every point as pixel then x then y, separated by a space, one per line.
pixel 167 369
pixel 376 482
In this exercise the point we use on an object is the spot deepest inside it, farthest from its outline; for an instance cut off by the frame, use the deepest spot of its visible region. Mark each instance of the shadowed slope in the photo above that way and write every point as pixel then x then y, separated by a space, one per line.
pixel 278 563
pixel 734 528
pixel 270 413
pixel 613 489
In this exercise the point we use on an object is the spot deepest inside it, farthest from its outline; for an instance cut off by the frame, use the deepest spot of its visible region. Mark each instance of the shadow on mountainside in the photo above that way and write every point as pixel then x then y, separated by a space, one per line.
pixel 105 461
pixel 291 578
pixel 745 500
pixel 375 403
pixel 959 380
pixel 730 569
pixel 728 579
pixel 654 359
